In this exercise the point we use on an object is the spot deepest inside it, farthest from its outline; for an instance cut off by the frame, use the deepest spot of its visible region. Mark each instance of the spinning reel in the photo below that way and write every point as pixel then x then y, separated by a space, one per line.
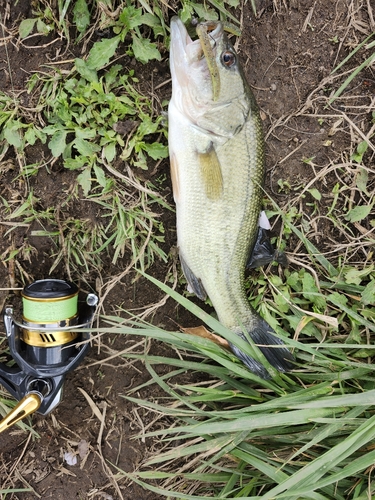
pixel 45 346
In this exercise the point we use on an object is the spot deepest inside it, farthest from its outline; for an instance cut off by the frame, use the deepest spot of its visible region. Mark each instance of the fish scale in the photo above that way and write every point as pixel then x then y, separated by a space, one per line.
pixel 217 166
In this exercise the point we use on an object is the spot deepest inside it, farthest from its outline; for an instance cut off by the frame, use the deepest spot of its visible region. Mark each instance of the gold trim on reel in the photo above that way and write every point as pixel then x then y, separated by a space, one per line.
pixel 47 339
pixel 49 334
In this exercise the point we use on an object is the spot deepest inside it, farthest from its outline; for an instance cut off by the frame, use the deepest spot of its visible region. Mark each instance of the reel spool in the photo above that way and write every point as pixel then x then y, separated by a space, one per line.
pixel 48 306
pixel 46 345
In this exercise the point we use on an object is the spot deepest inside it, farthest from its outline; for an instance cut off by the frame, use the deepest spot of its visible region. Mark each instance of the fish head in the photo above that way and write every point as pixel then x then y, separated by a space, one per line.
pixel 206 74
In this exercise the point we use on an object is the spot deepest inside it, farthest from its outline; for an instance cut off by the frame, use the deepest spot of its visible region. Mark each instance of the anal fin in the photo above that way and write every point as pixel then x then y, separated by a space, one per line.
pixel 194 283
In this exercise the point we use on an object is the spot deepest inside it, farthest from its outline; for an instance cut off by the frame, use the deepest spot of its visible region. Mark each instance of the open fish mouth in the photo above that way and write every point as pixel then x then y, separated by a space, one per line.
pixel 189 55
pixel 183 45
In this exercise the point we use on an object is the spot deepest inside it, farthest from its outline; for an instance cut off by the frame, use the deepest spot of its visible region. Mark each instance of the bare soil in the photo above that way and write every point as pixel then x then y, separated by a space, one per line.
pixel 288 53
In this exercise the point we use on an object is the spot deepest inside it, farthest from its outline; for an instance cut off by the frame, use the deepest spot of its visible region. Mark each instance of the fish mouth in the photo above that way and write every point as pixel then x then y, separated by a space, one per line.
pixel 181 42
pixel 189 57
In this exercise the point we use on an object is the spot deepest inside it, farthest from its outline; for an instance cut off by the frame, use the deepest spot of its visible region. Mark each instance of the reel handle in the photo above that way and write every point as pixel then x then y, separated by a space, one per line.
pixel 28 405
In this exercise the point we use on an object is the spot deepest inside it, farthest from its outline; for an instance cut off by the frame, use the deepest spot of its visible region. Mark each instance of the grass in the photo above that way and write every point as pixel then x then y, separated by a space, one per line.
pixel 218 431
pixel 87 117
pixel 307 434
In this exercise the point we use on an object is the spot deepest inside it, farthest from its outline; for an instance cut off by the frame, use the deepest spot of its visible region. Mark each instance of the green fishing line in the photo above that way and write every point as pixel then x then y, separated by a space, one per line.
pixel 49 310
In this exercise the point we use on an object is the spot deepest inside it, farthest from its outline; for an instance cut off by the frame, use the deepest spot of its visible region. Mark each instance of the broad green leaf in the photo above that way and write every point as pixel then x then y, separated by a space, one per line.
pixel 368 294
pixel 150 20
pixel 294 280
pixel 354 276
pixel 362 147
pixel 315 193
pixel 42 27
pixel 88 74
pixel 30 136
pixel 84 180
pixel 157 150
pixel 110 151
pixel 131 17
pixel 363 353
pixel 312 292
pixel 81 15
pixel 338 298
pixel 147 126
pixel 358 213
pixel 112 74
pixel 205 13
pixel 100 176
pixel 57 144
pixel 281 300
pixel 75 163
pixel 362 180
pixel 85 133
pixel 26 27
pixel 144 50
pixel 12 135
pixel 101 52
pixel 85 148
pixel 186 12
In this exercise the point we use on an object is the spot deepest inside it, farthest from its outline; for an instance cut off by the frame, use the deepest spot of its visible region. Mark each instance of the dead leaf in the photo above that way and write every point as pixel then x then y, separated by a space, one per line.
pixel 93 406
pixel 83 448
pixel 201 331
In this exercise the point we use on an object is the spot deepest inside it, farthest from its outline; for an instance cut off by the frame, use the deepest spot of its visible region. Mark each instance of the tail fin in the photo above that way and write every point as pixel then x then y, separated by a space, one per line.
pixel 262 335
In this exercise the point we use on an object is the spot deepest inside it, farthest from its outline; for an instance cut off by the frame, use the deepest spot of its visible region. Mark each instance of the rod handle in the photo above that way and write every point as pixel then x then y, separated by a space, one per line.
pixel 27 405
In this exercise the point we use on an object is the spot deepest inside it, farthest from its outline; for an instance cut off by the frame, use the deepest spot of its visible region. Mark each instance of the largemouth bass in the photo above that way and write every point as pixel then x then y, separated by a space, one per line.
pixel 217 167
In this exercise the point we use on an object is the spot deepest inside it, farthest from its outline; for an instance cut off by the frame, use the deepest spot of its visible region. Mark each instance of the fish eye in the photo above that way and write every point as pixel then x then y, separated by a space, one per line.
pixel 228 58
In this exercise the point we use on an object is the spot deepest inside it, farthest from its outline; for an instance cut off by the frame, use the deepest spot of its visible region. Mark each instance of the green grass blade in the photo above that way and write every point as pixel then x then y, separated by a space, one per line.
pixel 310 474
pixel 352 53
pixel 341 89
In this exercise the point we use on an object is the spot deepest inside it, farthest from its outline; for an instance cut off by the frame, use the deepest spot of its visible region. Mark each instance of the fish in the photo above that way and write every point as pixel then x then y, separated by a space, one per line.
pixel 216 151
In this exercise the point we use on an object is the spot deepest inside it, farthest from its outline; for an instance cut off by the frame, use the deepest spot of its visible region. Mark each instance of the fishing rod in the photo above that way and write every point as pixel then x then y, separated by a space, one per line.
pixel 50 341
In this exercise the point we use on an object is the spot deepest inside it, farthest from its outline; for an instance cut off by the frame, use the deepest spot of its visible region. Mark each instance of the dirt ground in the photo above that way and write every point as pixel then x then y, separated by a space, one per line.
pixel 287 53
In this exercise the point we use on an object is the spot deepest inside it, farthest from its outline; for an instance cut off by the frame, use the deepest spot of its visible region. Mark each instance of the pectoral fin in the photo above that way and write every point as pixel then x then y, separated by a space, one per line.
pixel 211 173
pixel 194 283
pixel 263 252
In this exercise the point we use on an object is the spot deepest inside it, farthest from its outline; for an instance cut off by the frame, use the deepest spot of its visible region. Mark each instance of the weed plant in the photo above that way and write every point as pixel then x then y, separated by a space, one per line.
pixel 88 117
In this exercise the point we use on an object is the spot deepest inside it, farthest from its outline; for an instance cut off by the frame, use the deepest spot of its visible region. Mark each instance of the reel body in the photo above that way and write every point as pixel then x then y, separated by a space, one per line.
pixel 45 346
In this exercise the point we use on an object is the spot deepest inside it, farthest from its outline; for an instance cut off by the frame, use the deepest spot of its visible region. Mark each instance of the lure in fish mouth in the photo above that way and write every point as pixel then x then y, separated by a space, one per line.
pixel 217 167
